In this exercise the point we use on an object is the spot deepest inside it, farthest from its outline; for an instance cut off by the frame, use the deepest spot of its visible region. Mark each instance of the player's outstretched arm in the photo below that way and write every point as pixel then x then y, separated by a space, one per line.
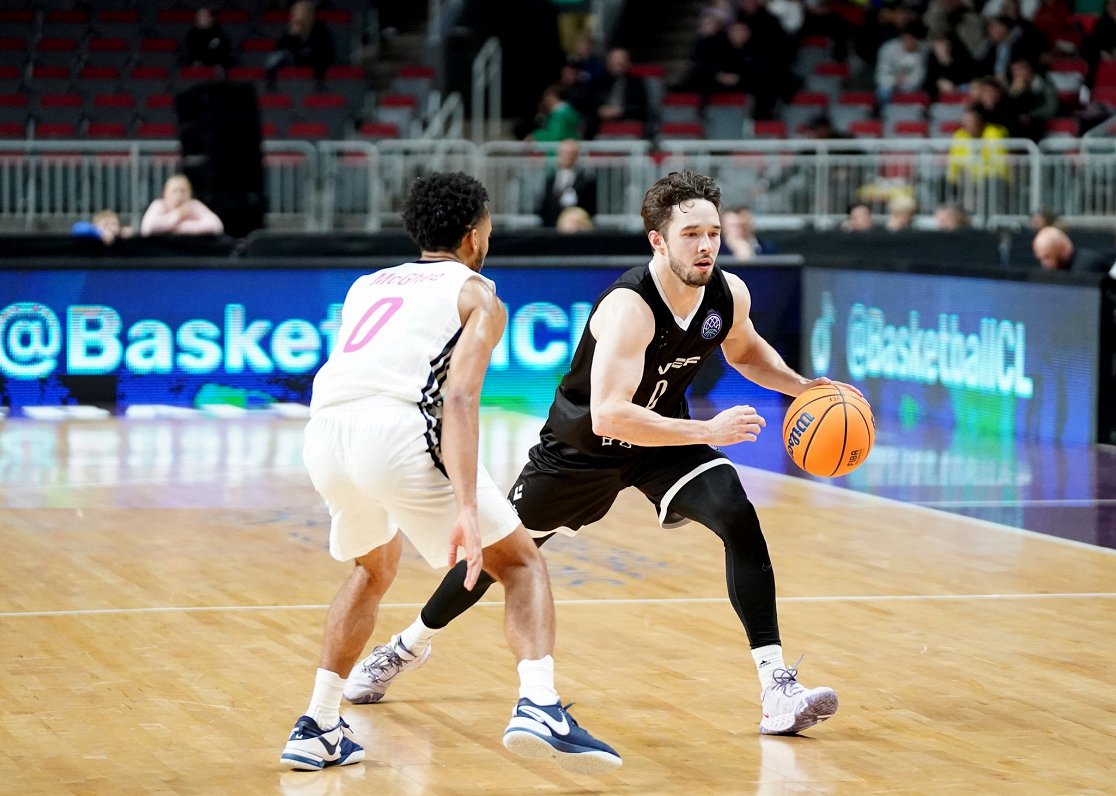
pixel 483 317
pixel 624 326
pixel 750 354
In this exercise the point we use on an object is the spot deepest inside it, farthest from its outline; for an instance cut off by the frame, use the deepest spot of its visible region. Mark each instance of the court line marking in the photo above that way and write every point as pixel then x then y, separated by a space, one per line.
pixel 846 491
pixel 853 598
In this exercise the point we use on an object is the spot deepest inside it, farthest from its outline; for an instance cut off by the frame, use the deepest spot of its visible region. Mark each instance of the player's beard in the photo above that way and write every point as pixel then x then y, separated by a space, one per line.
pixel 687 273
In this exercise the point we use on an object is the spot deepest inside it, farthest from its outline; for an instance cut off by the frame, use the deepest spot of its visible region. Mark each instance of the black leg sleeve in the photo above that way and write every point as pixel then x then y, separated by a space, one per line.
pixel 717 500
pixel 451 598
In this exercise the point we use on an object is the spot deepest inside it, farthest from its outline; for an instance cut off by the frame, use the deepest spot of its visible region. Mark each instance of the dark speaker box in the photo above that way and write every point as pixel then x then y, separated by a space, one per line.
pixel 219 130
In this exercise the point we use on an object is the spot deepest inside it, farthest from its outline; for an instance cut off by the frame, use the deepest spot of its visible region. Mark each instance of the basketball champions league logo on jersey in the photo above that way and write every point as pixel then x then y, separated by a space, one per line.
pixel 712 326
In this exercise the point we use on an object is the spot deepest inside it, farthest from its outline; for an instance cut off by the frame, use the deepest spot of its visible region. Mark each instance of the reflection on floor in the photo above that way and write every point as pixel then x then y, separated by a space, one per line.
pixel 1062 490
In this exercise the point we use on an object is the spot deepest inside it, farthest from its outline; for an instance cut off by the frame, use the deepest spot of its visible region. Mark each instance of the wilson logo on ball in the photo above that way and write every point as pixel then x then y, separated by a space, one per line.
pixel 795 435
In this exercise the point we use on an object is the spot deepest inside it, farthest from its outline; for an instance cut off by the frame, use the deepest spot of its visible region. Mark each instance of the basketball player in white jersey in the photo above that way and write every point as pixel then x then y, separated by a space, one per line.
pixel 392 446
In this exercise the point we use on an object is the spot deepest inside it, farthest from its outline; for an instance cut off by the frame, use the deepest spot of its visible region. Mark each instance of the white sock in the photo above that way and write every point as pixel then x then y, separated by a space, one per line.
pixel 325 702
pixel 768 659
pixel 536 681
pixel 417 637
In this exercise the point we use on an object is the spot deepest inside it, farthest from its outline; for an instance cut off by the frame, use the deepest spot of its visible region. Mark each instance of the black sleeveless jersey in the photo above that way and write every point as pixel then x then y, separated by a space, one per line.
pixel 670 363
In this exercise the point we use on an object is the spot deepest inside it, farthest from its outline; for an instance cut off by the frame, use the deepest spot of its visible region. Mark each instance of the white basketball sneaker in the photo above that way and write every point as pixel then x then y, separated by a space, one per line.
pixel 369 679
pixel 789 707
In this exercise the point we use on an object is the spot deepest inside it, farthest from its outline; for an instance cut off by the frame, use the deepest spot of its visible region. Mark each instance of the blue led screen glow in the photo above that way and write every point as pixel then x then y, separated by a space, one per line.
pixel 249 337
pixel 986 356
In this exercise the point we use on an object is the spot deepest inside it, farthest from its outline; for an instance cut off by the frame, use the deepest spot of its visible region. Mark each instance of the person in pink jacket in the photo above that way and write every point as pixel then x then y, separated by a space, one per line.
pixel 179 213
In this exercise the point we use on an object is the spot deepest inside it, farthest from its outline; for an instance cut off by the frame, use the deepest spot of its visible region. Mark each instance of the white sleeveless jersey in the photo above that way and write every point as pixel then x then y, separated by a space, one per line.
pixel 398 329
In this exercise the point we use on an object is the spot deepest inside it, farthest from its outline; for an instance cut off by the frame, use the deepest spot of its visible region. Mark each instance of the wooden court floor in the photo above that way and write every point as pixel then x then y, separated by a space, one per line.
pixel 164 582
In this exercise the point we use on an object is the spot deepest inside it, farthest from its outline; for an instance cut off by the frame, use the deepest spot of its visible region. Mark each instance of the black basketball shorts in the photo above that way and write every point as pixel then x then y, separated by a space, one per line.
pixel 562 489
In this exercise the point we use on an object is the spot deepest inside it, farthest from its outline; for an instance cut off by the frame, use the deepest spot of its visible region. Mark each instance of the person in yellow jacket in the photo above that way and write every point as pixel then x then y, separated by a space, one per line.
pixel 973 160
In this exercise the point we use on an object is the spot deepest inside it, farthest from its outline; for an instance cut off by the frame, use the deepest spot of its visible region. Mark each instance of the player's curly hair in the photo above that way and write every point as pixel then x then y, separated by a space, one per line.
pixel 442 207
pixel 672 190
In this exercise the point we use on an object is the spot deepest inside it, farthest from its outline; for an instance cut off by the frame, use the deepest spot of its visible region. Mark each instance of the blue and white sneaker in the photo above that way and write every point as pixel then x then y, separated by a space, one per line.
pixel 549 731
pixel 310 748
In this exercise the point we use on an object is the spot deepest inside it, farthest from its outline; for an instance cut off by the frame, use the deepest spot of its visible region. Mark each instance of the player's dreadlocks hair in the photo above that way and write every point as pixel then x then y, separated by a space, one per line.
pixel 672 190
pixel 442 207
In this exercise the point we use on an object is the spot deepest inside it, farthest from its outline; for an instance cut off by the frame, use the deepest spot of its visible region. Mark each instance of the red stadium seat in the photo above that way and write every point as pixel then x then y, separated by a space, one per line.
pixel 247 74
pixel 55 130
pixel 620 130
pixel 159 130
pixel 308 130
pixel 766 128
pixel 911 129
pixel 1061 127
pixel 12 130
pixel 106 130
pixel 378 130
pixel 682 130
pixel 866 128
pixel 1106 74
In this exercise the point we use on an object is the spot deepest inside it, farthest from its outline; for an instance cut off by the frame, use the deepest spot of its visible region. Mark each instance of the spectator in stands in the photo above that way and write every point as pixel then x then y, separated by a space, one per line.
pixel 574 21
pixel 989 96
pixel 1100 45
pixel 706 57
pixel 790 14
pixel 901 211
pixel 306 42
pixel 949 67
pixel 206 43
pixel 737 66
pixel 179 213
pixel 1016 9
pixel 738 235
pixel 558 120
pixel 590 67
pixel 1044 217
pixel 1004 43
pixel 1054 20
pixel 576 91
pixel 859 218
pixel 901 63
pixel 568 186
pixel 967 160
pixel 955 19
pixel 823 18
pixel 105 227
pixel 821 127
pixel 574 219
pixel 881 25
pixel 1033 99
pixel 950 217
pixel 620 95
pixel 775 51
pixel 1055 252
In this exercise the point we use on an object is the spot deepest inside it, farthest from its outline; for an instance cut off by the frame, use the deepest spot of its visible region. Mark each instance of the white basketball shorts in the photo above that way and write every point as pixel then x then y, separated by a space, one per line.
pixel 370 461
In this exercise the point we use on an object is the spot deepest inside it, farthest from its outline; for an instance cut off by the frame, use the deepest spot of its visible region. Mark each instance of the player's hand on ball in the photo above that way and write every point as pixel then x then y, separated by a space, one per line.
pixel 841 384
pixel 735 424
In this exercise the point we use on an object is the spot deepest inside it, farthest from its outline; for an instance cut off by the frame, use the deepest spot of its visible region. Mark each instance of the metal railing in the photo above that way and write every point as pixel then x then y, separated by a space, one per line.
pixel 361 185
pixel 486 104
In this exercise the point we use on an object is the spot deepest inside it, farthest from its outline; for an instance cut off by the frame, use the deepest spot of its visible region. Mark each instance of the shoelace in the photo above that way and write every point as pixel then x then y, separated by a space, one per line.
pixel 785 679
pixel 566 710
pixel 378 665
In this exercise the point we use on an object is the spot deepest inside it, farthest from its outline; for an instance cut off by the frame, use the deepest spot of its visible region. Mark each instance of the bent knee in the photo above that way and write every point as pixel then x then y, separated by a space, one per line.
pixel 514 555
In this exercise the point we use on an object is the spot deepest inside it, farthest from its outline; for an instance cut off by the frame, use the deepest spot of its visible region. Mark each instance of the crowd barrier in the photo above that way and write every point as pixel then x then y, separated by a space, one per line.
pixel 360 185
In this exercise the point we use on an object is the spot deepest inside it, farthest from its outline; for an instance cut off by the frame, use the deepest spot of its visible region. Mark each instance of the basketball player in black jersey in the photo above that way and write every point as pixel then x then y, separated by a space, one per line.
pixel 620 419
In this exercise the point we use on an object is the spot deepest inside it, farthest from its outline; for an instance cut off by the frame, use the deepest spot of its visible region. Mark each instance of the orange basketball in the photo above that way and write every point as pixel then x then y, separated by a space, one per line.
pixel 829 430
